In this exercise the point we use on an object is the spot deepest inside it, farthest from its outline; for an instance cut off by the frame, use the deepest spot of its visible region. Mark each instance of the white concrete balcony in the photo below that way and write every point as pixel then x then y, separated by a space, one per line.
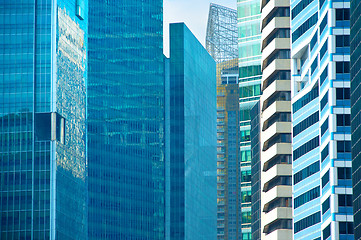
pixel 276 86
pixel 277 149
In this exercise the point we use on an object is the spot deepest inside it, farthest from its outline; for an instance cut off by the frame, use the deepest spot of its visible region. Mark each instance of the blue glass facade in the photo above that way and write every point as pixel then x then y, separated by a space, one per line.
pixel 193 158
pixel 322 188
pixel 126 120
pixel 250 75
pixel 42 120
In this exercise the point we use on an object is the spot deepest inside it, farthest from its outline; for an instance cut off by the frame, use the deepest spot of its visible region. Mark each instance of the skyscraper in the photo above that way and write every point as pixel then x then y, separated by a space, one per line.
pixel 249 43
pixel 320 67
pixel 355 113
pixel 126 120
pixel 193 162
pixel 276 127
pixel 222 44
pixel 43 77
pixel 228 171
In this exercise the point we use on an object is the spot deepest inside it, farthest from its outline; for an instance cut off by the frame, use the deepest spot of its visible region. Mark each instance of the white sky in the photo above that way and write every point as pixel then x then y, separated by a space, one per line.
pixel 194 13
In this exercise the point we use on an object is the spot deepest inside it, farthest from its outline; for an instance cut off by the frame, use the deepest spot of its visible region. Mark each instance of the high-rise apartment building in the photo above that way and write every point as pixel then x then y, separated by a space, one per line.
pixel 355 9
pixel 276 127
pixel 222 44
pixel 193 162
pixel 249 45
pixel 320 67
pixel 126 120
pixel 43 75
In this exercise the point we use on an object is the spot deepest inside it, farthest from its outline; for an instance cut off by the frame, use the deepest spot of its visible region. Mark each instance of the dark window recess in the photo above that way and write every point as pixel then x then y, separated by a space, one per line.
pixel 313 41
pixel 342 14
pixel 307 197
pixel 280 12
pixel 326 205
pixel 323 50
pixel 280 33
pixel 324 127
pixel 299 7
pixel 307 222
pixel 280 75
pixel 305 148
pixel 324 75
pixel 325 178
pixel 278 181
pixel 344 200
pixel 279 138
pixel 343 146
pixel 306 172
pixel 345 227
pixel 326 232
pixel 280 159
pixel 343 119
pixel 43 126
pixel 342 40
pixel 314 65
pixel 278 202
pixel 304 27
pixel 323 24
pixel 342 93
pixel 278 117
pixel 311 120
pixel 281 54
pixel 342 67
pixel 278 224
pixel 344 173
pixel 49 126
pixel 303 101
pixel 324 101
pixel 324 153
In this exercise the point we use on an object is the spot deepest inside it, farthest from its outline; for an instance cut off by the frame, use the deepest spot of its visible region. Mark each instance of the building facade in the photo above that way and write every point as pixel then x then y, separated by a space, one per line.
pixel 322 188
pixel 43 80
pixel 276 127
pixel 193 162
pixel 222 45
pixel 126 120
pixel 228 168
pixel 355 113
pixel 249 46
pixel 256 171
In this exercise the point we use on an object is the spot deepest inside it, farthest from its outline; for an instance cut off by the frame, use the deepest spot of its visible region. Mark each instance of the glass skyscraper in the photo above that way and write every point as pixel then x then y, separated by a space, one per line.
pixel 126 120
pixel 193 157
pixel 321 144
pixel 249 44
pixel 43 76
pixel 222 45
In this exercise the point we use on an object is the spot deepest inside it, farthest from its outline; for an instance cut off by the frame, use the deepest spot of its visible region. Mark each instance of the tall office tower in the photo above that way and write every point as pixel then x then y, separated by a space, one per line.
pixel 42 119
pixel 256 171
pixel 193 162
pixel 276 127
pixel 320 82
pixel 126 120
pixel 249 44
pixel 222 44
pixel 228 171
pixel 355 113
